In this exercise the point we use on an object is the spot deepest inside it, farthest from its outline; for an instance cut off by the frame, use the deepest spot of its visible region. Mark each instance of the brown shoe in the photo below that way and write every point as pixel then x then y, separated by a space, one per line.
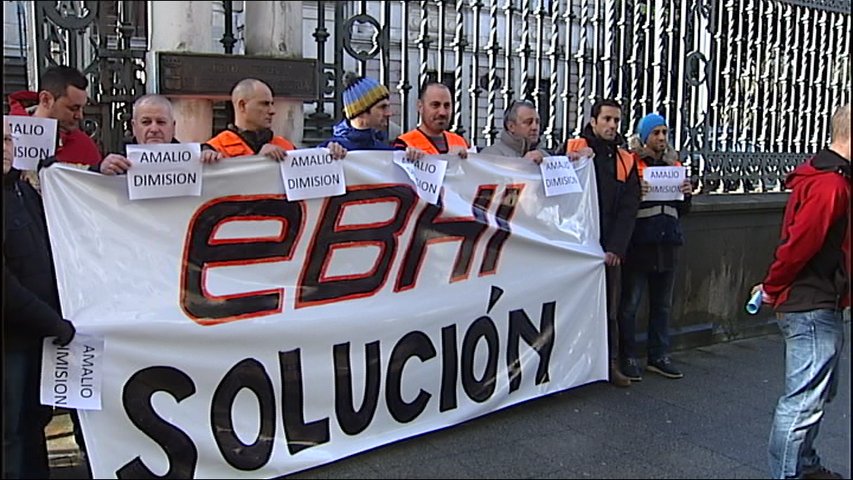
pixel 617 378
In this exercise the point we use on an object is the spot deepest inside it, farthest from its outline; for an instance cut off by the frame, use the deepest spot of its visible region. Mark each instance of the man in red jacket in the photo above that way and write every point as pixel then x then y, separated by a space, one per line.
pixel 62 96
pixel 808 285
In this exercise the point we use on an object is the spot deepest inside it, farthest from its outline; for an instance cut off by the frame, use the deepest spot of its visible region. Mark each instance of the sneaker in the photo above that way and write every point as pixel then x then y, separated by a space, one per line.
pixel 631 369
pixel 664 366
pixel 821 472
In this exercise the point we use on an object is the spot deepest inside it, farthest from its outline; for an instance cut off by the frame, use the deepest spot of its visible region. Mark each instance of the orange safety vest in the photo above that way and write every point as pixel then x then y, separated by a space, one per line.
pixel 418 139
pixel 623 166
pixel 641 165
pixel 229 144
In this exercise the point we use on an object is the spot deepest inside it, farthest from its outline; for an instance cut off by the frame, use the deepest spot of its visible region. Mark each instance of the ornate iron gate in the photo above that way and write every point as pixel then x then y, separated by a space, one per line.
pixel 748 85
pixel 106 41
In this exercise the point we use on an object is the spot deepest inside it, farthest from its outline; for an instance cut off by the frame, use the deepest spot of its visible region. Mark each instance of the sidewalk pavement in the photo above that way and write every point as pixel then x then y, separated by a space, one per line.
pixel 713 423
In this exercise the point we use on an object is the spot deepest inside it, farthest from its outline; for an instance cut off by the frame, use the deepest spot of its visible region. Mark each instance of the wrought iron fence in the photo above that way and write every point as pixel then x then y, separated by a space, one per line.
pixel 748 85
pixel 106 41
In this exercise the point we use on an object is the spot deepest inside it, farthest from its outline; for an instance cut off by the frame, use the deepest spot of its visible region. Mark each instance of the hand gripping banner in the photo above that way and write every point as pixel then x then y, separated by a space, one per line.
pixel 248 336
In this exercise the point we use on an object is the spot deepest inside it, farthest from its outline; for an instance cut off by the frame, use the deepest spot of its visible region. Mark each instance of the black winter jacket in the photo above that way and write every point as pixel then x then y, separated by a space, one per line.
pixel 617 201
pixel 656 239
pixel 30 297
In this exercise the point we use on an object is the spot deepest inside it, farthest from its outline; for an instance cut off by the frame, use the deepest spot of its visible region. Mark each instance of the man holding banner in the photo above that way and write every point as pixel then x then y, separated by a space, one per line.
pixel 435 107
pixel 520 136
pixel 30 313
pixel 618 198
pixel 653 252
pixel 251 132
pixel 153 123
pixel 367 108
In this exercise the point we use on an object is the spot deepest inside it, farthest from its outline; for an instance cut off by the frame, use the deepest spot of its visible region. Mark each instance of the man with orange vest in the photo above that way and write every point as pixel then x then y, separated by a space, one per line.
pixel 652 257
pixel 251 132
pixel 618 198
pixel 435 108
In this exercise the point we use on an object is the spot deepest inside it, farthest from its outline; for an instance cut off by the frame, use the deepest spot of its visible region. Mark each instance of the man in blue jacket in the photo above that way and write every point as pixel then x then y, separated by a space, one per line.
pixel 367 109
pixel 31 312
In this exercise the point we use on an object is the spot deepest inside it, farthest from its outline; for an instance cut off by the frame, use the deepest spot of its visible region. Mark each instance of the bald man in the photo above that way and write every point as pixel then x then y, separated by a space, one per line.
pixel 435 107
pixel 251 132
pixel 152 122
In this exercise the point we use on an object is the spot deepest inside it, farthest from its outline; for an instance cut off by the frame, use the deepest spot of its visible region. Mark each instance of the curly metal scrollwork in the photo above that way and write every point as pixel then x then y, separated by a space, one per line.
pixel 67 15
pixel 376 40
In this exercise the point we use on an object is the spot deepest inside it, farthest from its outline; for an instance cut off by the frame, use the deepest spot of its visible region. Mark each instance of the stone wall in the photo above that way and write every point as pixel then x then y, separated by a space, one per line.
pixel 730 241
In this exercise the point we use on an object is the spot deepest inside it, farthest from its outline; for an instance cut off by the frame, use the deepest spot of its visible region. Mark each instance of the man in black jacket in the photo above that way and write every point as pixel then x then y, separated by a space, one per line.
pixel 652 257
pixel 30 313
pixel 618 199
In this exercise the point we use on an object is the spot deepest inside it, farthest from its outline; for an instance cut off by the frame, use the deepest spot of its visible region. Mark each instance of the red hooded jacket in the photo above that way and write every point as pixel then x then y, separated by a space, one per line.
pixel 811 268
pixel 74 146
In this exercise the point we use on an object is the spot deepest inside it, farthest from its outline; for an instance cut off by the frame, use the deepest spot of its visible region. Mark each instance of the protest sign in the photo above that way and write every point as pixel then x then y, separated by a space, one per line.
pixel 35 140
pixel 312 173
pixel 665 183
pixel 427 174
pixel 162 170
pixel 558 176
pixel 72 375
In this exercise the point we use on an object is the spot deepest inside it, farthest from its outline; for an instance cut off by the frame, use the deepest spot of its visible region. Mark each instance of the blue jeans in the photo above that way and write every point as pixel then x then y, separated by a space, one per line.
pixel 813 342
pixel 24 418
pixel 660 286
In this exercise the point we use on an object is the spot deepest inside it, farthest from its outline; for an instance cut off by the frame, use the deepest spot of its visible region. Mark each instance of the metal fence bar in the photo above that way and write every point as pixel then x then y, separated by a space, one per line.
pixel 493 48
pixel 566 96
pixel 404 86
pixel 509 20
pixel 580 58
pixel 459 44
pixel 474 89
pixel 550 134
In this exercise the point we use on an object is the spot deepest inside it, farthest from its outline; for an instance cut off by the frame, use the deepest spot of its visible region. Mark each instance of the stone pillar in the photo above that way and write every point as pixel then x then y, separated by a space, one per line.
pixel 275 29
pixel 182 27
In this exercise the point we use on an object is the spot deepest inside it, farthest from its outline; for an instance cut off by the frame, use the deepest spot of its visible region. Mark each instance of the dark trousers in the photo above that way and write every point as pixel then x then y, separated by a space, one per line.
pixel 660 287
pixel 613 280
pixel 24 417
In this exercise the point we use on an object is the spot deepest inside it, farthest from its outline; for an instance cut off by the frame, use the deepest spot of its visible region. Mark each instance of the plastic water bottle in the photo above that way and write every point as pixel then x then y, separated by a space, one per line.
pixel 754 303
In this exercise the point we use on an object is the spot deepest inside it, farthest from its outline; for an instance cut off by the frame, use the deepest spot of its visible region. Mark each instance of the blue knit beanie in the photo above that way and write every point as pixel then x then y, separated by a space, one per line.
pixel 649 123
pixel 362 93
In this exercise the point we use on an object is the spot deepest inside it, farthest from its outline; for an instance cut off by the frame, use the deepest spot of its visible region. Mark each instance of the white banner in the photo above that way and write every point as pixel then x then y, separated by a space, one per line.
pixel 163 170
pixel 35 140
pixel 665 183
pixel 248 336
pixel 72 375
pixel 312 173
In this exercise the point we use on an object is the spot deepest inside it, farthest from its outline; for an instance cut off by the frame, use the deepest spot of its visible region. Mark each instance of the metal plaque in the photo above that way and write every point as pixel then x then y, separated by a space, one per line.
pixel 214 75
